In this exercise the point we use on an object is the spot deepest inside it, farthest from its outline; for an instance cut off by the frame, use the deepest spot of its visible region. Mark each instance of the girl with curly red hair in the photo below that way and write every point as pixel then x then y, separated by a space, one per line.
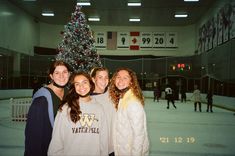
pixel 130 130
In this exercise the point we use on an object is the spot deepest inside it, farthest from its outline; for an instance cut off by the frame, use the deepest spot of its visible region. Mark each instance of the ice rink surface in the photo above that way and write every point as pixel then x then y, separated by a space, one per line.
pixel 172 132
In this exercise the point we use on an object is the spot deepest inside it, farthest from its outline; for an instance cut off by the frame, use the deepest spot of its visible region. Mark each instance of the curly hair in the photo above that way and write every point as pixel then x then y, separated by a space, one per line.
pixel 72 98
pixel 115 94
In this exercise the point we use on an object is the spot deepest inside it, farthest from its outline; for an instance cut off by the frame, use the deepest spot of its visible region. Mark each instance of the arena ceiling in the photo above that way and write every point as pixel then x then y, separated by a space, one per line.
pixel 117 13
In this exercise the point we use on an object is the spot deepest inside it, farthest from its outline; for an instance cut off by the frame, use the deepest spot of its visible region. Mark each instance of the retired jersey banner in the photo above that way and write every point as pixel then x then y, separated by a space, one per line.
pixel 232 17
pixel 100 40
pixel 159 40
pixel 123 40
pixel 134 40
pixel 209 34
pixel 171 39
pixel 220 27
pixel 146 41
pixel 203 36
pixel 214 31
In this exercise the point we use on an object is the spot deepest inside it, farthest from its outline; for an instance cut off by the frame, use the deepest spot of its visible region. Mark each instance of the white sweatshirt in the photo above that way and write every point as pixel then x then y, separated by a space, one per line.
pixel 196 97
pixel 88 137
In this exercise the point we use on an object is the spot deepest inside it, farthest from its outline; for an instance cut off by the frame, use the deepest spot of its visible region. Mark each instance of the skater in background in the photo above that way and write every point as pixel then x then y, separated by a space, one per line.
pixel 209 101
pixel 169 96
pixel 36 85
pixel 156 93
pixel 196 97
pixel 183 94
pixel 45 103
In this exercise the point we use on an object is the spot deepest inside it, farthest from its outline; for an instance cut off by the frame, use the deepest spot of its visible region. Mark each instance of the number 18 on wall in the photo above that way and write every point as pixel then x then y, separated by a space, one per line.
pixel 101 40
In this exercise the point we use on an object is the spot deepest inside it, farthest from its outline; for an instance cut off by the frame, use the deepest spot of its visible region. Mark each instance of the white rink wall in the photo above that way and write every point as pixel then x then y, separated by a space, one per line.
pixel 15 93
pixel 221 101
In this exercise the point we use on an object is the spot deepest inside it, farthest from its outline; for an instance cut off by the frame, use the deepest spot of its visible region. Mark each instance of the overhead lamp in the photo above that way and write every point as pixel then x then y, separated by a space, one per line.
pixel 93 19
pixel 133 4
pixel 6 13
pixel 191 0
pixel 134 20
pixel 181 15
pixel 84 3
pixel 48 13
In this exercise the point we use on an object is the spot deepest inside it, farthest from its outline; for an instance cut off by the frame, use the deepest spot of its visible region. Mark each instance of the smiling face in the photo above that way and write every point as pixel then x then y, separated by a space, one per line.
pixel 101 81
pixel 122 80
pixel 82 85
pixel 60 75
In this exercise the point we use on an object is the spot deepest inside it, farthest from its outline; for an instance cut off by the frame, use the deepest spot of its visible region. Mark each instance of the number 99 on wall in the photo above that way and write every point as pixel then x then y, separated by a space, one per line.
pixel 146 40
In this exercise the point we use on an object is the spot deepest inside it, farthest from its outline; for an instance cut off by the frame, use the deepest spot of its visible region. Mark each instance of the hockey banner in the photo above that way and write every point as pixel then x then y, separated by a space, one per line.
pixel 123 40
pixel 146 41
pixel 159 40
pixel 171 39
pixel 100 40
pixel 134 40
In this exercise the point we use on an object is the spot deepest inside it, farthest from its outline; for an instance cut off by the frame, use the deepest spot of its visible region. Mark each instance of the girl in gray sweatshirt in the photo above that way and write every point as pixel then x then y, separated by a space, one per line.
pixel 80 126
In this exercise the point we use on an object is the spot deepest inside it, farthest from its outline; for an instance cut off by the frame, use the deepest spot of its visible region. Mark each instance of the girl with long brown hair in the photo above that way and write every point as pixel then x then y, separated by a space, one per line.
pixel 80 125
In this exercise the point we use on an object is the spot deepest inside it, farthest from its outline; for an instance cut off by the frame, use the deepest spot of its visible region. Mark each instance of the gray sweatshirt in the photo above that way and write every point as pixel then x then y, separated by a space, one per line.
pixel 110 111
pixel 89 136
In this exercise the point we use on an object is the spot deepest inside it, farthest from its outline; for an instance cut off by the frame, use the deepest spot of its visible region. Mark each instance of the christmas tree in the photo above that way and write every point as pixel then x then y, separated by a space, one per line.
pixel 77 47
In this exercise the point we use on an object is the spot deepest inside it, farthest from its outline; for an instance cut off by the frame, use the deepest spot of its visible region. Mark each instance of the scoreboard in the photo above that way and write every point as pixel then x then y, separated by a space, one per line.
pixel 181 67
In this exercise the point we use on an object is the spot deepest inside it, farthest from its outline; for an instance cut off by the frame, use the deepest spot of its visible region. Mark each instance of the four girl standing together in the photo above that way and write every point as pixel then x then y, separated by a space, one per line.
pixel 94 118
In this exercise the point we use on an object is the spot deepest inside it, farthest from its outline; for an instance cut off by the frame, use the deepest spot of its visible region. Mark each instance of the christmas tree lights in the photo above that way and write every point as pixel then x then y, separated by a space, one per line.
pixel 77 47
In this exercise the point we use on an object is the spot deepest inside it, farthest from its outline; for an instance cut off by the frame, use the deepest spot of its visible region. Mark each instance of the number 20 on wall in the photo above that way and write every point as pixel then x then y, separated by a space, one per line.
pixel 159 40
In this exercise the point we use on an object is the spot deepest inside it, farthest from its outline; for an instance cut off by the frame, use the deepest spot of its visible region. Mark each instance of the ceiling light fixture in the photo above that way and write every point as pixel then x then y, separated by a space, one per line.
pixel 5 13
pixel 181 15
pixel 134 20
pixel 191 0
pixel 48 13
pixel 94 19
pixel 133 4
pixel 84 3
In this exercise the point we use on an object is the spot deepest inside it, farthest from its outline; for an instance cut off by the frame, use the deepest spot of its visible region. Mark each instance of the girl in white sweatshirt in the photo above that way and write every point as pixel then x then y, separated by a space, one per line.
pixel 130 136
pixel 80 126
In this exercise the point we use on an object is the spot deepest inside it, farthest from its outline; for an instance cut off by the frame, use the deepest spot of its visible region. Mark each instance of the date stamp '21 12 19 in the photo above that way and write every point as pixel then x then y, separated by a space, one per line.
pixel 177 139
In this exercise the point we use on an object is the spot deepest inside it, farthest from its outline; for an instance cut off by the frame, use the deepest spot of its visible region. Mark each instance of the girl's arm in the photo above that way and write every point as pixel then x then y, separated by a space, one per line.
pixel 56 146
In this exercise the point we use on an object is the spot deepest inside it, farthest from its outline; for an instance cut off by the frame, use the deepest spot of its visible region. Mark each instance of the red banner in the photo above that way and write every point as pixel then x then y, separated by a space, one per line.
pixel 134 40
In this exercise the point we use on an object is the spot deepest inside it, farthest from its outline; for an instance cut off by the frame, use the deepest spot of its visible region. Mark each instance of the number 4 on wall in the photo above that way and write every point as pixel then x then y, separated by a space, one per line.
pixel 171 39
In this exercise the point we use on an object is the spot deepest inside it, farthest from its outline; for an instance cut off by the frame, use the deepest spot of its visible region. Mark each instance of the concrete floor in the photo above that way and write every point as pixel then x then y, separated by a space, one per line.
pixel 172 132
